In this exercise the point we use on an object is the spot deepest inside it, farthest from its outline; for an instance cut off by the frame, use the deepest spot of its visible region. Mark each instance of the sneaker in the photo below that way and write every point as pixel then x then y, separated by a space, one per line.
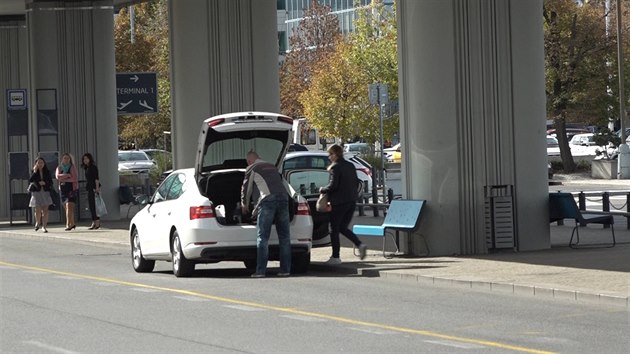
pixel 284 275
pixel 257 275
pixel 333 261
pixel 362 251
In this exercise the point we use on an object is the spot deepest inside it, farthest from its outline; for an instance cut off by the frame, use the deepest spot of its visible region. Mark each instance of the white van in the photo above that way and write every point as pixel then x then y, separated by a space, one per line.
pixel 306 135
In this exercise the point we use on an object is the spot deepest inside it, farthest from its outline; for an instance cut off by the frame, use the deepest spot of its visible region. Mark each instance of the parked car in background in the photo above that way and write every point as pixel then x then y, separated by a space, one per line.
pixel 195 215
pixel 553 148
pixel 583 145
pixel 571 131
pixel 363 149
pixel 134 161
pixel 319 160
pixel 618 132
pixel 162 158
pixel 297 147
pixel 393 154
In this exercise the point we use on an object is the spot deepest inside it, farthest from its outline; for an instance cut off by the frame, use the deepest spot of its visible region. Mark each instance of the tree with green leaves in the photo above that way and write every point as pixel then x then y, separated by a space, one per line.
pixel 337 101
pixel 148 53
pixel 313 41
pixel 578 57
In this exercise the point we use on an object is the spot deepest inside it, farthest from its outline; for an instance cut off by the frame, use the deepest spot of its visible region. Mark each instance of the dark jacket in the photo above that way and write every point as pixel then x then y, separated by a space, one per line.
pixel 91 176
pixel 36 178
pixel 343 184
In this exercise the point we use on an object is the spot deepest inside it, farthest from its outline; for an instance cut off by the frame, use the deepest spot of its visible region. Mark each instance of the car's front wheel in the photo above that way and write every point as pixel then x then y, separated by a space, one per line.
pixel 182 267
pixel 140 264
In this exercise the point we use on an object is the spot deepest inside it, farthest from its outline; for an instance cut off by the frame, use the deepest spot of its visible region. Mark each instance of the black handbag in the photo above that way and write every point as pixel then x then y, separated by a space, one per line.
pixel 33 187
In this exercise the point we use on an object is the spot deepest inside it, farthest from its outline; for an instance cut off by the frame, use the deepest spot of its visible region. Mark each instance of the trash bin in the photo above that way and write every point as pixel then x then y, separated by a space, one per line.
pixel 499 216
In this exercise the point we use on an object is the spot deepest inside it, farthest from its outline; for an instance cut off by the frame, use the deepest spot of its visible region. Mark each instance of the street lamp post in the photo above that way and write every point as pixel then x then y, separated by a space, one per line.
pixel 623 165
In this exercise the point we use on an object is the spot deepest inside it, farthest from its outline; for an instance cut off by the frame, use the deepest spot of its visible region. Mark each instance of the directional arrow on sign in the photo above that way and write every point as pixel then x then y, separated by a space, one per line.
pixel 134 78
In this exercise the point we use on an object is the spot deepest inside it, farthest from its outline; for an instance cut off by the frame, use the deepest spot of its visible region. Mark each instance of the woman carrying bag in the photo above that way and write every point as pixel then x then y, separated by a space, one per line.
pixel 40 185
pixel 93 187
pixel 342 196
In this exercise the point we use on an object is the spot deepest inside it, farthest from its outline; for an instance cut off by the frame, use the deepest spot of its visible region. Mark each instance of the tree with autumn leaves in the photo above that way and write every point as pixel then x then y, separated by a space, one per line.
pixel 314 41
pixel 149 52
pixel 581 65
pixel 332 92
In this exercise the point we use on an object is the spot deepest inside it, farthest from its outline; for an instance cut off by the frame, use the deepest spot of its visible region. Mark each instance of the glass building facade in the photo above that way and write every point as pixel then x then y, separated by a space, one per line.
pixel 291 12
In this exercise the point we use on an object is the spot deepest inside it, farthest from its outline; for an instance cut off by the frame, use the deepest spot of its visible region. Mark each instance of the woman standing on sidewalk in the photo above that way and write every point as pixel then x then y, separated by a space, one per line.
pixel 41 180
pixel 342 195
pixel 68 186
pixel 93 187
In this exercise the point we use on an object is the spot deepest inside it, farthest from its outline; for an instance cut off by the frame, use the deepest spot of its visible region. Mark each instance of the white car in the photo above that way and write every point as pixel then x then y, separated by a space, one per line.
pixel 319 160
pixel 194 215
pixel 583 145
pixel 134 161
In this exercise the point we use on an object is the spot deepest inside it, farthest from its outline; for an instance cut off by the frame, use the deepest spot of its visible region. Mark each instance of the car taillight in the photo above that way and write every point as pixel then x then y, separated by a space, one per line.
pixel 212 123
pixel 285 120
pixel 367 171
pixel 201 212
pixel 303 209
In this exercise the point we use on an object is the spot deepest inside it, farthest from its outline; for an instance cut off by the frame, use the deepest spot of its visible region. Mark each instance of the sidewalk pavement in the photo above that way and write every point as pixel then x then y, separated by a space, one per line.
pixel 600 275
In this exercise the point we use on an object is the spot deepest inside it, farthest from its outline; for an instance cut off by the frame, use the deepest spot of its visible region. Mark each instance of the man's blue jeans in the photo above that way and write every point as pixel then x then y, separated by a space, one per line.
pixel 273 208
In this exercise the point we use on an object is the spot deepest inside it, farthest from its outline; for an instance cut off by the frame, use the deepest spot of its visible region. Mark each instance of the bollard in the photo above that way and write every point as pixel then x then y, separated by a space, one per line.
pixel 606 205
pixel 582 204
pixel 375 201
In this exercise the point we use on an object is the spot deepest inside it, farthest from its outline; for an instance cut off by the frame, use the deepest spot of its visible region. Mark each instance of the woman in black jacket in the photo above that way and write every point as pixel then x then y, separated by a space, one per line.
pixel 342 196
pixel 40 183
pixel 93 187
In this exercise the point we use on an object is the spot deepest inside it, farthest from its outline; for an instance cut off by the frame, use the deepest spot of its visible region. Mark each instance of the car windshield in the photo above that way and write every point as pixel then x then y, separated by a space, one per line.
pixel 132 156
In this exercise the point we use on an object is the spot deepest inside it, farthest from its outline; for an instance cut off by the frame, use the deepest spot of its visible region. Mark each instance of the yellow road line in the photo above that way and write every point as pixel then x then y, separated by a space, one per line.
pixel 289 310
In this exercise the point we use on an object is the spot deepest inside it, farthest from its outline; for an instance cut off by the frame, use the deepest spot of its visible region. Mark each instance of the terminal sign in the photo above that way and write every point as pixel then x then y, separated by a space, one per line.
pixel 136 93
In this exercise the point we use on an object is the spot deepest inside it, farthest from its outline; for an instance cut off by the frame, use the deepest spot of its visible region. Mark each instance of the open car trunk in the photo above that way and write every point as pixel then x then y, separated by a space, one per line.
pixel 223 188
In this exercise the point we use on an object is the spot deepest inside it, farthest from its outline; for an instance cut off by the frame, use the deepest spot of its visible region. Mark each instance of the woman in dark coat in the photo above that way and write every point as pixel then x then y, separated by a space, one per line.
pixel 40 184
pixel 342 196
pixel 93 187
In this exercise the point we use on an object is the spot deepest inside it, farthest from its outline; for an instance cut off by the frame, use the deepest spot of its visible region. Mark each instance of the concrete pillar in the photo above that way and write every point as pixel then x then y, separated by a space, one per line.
pixel 472 105
pixel 224 58
pixel 72 68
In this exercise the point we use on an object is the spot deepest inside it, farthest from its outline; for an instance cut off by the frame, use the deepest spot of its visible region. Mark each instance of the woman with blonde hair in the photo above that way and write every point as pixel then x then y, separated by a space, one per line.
pixel 68 187
pixel 40 184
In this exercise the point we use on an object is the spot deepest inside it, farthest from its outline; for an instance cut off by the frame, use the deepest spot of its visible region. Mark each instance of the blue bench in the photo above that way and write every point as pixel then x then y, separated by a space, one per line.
pixel 563 206
pixel 402 215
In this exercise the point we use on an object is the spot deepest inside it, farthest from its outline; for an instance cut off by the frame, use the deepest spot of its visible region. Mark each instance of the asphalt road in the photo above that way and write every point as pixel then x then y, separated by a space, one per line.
pixel 65 297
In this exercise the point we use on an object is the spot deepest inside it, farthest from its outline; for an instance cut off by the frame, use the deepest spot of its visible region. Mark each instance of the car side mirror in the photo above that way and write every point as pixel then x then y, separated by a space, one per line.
pixel 142 199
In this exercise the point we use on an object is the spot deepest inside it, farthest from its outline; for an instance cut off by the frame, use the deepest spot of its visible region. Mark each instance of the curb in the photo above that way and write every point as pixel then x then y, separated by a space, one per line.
pixel 484 286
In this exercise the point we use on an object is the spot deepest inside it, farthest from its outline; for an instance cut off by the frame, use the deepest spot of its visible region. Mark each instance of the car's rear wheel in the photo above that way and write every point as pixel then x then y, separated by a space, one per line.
pixel 140 264
pixel 182 267
pixel 300 263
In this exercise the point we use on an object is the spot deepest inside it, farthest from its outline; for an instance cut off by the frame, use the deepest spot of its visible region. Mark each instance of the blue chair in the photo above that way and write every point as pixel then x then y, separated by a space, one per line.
pixel 562 206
